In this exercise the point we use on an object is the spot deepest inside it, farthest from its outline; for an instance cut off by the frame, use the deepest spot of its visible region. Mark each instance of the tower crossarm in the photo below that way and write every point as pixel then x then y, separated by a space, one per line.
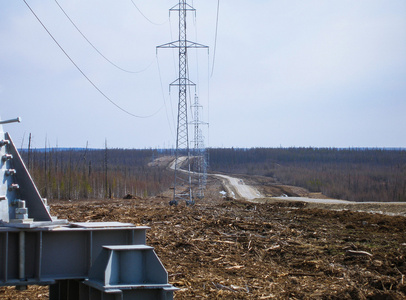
pixel 182 7
pixel 182 81
pixel 182 44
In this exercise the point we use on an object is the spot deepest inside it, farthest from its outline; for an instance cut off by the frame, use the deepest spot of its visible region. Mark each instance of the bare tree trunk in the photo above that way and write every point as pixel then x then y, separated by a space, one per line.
pixel 107 192
pixel 70 175
pixel 29 153
pixel 46 171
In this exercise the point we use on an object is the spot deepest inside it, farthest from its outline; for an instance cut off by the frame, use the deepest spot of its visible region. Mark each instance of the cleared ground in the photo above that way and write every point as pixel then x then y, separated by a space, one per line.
pixel 232 249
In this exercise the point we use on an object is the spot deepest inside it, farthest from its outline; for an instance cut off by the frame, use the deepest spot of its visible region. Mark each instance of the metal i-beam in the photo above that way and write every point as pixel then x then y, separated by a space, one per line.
pixel 60 252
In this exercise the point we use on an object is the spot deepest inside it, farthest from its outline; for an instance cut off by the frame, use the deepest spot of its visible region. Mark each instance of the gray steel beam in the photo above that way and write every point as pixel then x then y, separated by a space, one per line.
pixel 29 193
pixel 59 253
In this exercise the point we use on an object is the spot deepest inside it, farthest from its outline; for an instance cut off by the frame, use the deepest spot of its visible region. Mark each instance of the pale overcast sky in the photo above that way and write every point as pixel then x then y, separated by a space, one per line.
pixel 320 73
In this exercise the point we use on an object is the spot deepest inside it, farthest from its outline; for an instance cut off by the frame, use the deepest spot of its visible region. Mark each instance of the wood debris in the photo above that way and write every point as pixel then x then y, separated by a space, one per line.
pixel 229 250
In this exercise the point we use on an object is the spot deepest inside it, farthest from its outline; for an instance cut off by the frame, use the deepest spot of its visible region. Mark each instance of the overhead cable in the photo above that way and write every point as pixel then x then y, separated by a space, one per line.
pixel 163 96
pixel 139 10
pixel 80 70
pixel 94 47
pixel 215 38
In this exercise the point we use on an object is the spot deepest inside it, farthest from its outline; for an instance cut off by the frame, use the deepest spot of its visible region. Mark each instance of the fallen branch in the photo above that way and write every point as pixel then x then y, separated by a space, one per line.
pixel 358 253
pixel 275 247
pixel 234 267
pixel 222 287
pixel 300 274
pixel 233 288
pixel 402 280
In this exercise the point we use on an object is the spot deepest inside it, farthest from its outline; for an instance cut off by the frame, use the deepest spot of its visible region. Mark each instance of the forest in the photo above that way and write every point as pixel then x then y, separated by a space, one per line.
pixel 355 174
pixel 96 173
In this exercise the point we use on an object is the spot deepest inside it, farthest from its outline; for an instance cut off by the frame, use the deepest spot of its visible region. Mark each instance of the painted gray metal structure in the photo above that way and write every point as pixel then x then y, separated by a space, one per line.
pixel 79 261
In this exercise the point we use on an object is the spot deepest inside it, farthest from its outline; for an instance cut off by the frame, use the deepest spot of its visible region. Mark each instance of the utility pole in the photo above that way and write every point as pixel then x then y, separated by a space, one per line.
pixel 183 83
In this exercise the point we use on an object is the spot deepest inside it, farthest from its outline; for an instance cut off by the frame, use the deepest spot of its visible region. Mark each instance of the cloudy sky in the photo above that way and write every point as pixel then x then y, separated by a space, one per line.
pixel 319 73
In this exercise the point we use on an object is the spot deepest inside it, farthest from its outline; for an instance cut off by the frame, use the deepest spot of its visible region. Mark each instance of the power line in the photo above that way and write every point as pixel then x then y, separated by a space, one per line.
pixel 163 96
pixel 173 52
pixel 215 38
pixel 80 70
pixel 139 10
pixel 94 47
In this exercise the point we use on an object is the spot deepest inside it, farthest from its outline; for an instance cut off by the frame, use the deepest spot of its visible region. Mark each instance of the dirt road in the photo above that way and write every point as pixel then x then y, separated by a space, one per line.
pixel 237 187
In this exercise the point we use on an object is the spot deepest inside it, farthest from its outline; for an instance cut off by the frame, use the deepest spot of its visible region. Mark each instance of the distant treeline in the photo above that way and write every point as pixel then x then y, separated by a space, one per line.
pixel 351 174
pixel 96 173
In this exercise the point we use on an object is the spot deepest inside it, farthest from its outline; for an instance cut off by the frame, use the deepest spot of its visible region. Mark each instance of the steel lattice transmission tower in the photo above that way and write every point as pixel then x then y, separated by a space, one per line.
pixel 199 151
pixel 183 83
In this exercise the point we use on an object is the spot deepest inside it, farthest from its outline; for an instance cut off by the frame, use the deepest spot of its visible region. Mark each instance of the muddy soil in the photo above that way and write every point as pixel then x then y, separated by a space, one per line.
pixel 233 249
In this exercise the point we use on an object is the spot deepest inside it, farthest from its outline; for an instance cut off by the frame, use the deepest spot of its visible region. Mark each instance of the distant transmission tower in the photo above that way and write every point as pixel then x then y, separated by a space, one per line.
pixel 183 82
pixel 199 151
